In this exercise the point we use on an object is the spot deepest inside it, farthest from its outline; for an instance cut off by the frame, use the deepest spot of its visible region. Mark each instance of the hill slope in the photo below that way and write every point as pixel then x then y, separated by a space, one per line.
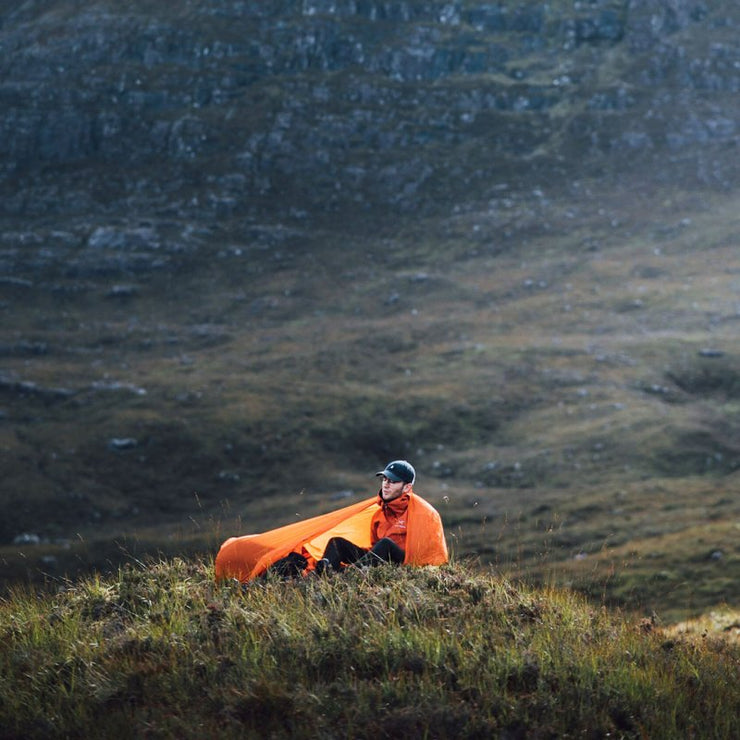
pixel 410 653
pixel 250 252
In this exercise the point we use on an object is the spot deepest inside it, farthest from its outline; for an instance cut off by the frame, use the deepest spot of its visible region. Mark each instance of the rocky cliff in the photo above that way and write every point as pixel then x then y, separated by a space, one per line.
pixel 236 110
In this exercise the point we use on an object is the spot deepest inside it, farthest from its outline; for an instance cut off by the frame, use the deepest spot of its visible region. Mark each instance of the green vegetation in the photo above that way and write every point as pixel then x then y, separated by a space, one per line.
pixel 162 651
pixel 252 251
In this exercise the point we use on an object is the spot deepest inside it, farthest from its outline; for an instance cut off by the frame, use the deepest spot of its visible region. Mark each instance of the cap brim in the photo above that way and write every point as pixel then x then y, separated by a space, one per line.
pixel 390 476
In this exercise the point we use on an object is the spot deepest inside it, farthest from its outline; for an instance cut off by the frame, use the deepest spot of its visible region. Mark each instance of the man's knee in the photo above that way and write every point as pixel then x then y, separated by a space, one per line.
pixel 386 549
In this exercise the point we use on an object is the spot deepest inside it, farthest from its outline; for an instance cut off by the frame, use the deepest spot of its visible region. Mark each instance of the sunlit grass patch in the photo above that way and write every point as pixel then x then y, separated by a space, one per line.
pixel 722 624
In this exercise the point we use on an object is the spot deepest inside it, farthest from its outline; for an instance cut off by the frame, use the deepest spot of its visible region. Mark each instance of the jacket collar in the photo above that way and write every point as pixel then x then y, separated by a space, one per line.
pixel 398 505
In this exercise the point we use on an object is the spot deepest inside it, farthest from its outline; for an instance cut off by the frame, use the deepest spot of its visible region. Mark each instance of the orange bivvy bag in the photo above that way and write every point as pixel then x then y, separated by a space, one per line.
pixel 248 556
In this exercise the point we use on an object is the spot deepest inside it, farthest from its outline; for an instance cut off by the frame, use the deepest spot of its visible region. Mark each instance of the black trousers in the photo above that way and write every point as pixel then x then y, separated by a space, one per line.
pixel 338 550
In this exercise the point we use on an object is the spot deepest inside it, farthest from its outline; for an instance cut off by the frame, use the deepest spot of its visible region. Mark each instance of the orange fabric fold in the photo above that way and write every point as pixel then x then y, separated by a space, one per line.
pixel 246 557
pixel 425 539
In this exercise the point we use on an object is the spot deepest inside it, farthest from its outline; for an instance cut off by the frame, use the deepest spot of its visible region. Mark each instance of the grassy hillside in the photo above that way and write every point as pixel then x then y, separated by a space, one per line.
pixel 568 394
pixel 161 651
pixel 251 252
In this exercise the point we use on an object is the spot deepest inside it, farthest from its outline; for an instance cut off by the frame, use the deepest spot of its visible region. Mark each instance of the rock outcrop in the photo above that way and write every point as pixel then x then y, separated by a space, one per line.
pixel 247 110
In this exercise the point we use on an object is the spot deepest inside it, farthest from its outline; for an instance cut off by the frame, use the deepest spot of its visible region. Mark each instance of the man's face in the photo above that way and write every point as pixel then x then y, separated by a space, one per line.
pixel 390 490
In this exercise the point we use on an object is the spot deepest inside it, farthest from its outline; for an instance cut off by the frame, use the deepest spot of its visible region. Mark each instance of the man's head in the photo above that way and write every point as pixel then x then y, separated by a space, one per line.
pixel 398 477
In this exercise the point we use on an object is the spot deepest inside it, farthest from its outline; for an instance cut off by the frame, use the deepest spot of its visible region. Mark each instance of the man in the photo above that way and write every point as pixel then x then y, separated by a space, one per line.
pixel 387 527
pixel 396 526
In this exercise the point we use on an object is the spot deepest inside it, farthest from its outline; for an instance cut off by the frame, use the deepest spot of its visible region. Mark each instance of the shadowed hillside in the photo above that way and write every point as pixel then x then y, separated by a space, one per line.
pixel 251 251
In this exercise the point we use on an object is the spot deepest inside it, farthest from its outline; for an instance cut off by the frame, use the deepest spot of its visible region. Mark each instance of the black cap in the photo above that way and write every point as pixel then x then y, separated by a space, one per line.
pixel 399 470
